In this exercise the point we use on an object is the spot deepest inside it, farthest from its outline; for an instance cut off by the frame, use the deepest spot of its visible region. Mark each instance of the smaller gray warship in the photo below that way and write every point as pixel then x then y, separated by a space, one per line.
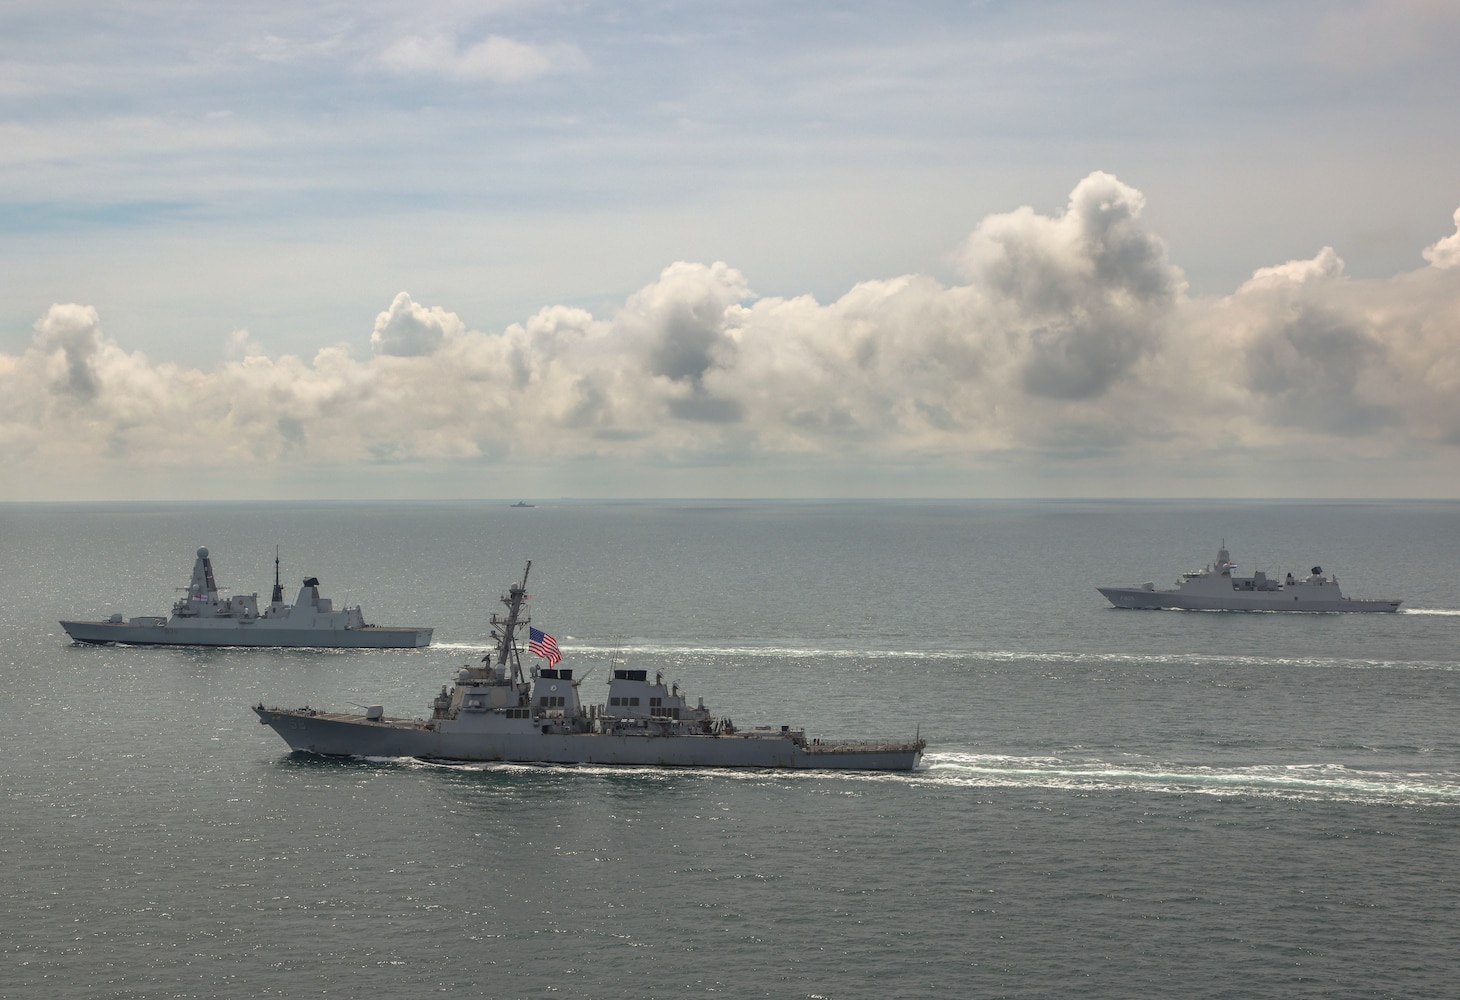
pixel 1218 588
pixel 497 711
pixel 203 617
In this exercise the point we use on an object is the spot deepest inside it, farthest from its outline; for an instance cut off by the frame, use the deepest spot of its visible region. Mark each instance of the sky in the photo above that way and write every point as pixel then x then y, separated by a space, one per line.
pixel 267 250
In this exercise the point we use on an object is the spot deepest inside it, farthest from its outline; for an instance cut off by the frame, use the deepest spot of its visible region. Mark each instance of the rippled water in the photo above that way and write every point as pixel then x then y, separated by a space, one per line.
pixel 1114 803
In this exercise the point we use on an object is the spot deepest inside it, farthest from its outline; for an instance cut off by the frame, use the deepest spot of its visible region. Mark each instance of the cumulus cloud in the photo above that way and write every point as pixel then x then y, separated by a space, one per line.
pixel 1302 346
pixel 1324 267
pixel 1070 340
pixel 495 58
pixel 1084 293
pixel 1446 252
pixel 71 336
pixel 407 329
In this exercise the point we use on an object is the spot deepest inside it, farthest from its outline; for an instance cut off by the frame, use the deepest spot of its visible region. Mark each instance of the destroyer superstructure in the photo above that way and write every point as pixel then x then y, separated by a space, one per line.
pixel 203 616
pixel 498 711
pixel 1218 588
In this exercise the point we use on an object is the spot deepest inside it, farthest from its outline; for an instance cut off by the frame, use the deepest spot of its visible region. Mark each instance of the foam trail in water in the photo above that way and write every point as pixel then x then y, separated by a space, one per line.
pixel 997 656
pixel 1331 782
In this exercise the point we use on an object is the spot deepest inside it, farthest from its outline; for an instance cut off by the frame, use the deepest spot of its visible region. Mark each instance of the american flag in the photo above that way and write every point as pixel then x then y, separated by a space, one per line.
pixel 539 643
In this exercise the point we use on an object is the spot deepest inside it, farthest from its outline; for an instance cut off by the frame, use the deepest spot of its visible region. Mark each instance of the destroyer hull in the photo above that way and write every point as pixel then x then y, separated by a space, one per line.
pixel 249 634
pixel 354 736
pixel 1137 597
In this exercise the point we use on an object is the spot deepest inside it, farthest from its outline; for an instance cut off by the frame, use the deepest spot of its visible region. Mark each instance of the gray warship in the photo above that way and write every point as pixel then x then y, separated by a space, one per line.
pixel 204 617
pixel 498 711
pixel 1218 588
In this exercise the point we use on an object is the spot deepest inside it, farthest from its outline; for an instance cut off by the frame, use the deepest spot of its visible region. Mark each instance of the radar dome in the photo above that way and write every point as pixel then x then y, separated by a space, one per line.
pixel 202 553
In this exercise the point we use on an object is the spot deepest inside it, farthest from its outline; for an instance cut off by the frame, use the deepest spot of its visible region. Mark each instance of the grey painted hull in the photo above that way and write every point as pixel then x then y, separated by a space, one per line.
pixel 355 736
pixel 1219 588
pixel 1136 597
pixel 205 616
pixel 256 633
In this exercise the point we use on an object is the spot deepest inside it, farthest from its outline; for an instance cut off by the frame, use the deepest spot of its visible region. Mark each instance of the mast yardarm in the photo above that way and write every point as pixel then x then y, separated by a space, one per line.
pixel 506 628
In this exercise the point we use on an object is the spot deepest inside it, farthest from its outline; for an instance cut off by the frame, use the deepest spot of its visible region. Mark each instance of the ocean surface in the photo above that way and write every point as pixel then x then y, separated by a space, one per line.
pixel 1120 804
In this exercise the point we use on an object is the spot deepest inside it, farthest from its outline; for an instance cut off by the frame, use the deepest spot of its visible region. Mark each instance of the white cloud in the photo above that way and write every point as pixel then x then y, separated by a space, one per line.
pixel 1084 294
pixel 1071 345
pixel 1308 349
pixel 1326 266
pixel 408 330
pixel 1446 252
pixel 70 337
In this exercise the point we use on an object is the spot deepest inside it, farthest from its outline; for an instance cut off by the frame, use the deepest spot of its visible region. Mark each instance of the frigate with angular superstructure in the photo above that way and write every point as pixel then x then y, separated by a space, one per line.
pixel 1219 588
pixel 204 616
pixel 497 710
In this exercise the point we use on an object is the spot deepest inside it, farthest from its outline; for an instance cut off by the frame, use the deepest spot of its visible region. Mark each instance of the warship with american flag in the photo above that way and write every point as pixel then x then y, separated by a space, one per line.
pixel 499 710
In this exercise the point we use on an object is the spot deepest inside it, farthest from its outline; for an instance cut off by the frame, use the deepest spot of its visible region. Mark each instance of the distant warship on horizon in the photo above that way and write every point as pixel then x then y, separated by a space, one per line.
pixel 204 617
pixel 1218 588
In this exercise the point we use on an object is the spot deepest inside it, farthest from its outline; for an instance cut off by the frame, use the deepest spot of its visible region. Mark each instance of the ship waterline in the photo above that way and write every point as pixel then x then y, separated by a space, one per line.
pixel 335 735
pixel 160 633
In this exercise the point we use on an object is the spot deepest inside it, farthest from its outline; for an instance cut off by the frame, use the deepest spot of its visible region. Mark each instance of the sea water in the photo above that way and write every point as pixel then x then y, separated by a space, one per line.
pixel 1113 804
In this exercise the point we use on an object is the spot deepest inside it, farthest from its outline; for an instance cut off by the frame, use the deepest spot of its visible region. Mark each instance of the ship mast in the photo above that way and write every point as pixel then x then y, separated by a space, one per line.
pixel 506 628
pixel 278 587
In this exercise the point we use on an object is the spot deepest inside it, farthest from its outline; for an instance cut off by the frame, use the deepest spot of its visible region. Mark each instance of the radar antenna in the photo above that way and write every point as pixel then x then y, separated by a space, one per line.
pixel 506 628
